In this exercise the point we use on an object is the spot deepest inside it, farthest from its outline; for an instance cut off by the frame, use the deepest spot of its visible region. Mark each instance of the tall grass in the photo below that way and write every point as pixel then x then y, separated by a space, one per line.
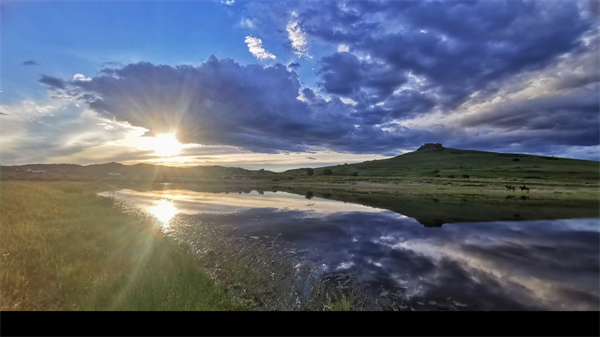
pixel 64 248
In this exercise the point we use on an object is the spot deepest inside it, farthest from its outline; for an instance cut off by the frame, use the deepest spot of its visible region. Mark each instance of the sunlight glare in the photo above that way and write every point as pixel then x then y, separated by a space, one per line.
pixel 166 145
pixel 164 211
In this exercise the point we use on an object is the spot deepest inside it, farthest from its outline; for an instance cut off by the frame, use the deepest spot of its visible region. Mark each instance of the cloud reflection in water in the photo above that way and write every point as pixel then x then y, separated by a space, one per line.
pixel 503 265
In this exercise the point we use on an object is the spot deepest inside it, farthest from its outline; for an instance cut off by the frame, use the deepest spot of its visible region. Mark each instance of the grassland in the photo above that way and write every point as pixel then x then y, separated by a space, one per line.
pixel 445 173
pixel 454 164
pixel 64 248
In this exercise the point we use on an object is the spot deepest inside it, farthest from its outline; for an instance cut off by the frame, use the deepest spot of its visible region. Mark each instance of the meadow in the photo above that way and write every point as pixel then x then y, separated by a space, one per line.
pixel 64 248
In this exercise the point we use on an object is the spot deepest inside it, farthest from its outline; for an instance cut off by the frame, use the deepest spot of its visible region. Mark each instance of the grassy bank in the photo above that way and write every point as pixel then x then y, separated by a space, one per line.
pixel 64 248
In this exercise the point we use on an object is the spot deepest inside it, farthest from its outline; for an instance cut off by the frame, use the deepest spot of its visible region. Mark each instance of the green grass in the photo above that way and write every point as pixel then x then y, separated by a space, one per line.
pixel 64 248
pixel 479 165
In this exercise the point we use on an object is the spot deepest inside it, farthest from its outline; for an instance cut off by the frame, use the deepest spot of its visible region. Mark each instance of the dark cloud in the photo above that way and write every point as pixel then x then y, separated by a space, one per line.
pixel 402 105
pixel 293 65
pixel 3 114
pixel 312 158
pixel 53 82
pixel 593 7
pixel 29 63
pixel 458 47
pixel 221 102
pixel 344 74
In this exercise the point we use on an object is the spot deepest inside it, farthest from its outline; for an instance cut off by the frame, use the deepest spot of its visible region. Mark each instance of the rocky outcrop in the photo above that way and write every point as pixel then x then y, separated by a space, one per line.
pixel 431 146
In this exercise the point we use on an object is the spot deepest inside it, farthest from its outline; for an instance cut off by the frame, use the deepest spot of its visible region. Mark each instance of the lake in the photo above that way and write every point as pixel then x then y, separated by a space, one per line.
pixel 513 263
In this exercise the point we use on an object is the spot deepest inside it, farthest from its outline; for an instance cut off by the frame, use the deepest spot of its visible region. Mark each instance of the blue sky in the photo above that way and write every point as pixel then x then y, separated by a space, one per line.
pixel 67 36
pixel 288 84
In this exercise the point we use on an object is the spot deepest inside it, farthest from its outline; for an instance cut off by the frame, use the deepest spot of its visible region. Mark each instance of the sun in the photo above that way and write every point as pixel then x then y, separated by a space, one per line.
pixel 166 145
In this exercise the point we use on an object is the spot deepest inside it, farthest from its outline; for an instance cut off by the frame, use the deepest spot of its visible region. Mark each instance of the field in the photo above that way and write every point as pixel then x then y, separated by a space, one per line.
pixel 64 248
pixel 448 163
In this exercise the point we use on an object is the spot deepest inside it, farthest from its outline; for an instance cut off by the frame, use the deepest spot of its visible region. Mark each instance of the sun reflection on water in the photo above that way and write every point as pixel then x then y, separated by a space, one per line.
pixel 164 211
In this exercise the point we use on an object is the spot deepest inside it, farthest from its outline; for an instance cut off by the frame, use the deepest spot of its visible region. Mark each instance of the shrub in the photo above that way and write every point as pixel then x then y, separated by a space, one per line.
pixel 466 176
pixel 327 172
pixel 436 171
pixel 516 159
pixel 310 172
pixel 451 176
pixel 355 174
pixel 437 175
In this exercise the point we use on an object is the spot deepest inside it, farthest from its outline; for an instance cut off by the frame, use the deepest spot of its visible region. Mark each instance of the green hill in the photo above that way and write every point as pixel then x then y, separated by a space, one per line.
pixel 435 161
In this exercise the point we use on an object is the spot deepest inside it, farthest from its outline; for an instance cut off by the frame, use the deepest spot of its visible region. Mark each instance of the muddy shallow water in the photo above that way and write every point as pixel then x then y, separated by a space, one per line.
pixel 493 265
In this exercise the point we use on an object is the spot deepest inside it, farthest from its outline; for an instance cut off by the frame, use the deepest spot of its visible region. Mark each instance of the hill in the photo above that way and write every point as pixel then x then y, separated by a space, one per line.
pixel 135 172
pixel 436 161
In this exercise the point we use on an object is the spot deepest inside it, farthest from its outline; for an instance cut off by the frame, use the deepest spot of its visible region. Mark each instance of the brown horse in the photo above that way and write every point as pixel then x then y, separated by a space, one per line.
pixel 524 188
pixel 509 188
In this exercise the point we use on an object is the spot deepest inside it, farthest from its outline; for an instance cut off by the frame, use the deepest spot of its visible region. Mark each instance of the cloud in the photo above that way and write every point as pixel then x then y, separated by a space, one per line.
pixel 542 111
pixel 516 76
pixel 29 63
pixel 592 8
pixel 312 158
pixel 227 2
pixel 255 47
pixel 61 132
pixel 456 56
pixel 52 82
pixel 80 77
pixel 221 102
pixel 344 74
pixel 298 39
pixel 248 23
pixel 343 48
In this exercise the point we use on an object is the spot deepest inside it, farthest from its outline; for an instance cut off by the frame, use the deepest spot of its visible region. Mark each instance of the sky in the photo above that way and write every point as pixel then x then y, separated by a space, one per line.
pixel 280 85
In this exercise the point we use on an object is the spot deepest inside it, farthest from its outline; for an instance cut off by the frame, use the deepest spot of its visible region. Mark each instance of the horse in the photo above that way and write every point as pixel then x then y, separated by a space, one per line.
pixel 510 197
pixel 508 187
pixel 524 188
pixel 524 197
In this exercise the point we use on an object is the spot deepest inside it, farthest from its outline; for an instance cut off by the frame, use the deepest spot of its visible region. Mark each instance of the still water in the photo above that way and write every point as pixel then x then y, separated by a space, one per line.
pixel 494 265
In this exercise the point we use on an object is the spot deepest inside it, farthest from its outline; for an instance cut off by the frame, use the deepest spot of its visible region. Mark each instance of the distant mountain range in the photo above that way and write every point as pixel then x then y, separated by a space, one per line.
pixel 139 170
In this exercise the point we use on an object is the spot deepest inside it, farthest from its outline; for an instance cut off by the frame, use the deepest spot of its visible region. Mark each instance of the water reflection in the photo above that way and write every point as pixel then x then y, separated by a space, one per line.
pixel 501 265
pixel 163 211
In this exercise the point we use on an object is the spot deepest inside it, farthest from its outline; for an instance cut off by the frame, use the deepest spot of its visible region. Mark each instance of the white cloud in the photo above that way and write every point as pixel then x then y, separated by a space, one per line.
pixel 227 2
pixel 343 48
pixel 80 77
pixel 348 101
pixel 255 47
pixel 57 131
pixel 248 23
pixel 298 39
